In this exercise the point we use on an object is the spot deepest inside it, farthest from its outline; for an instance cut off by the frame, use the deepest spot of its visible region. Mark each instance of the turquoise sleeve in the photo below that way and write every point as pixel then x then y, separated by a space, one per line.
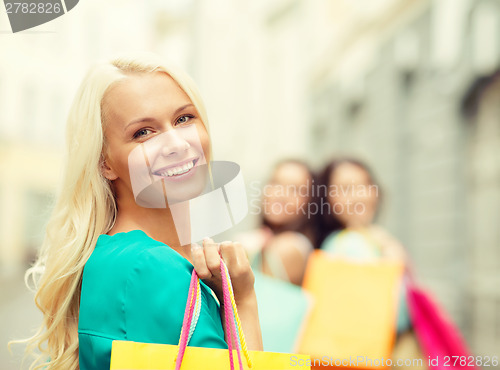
pixel 329 244
pixel 155 300
pixel 136 289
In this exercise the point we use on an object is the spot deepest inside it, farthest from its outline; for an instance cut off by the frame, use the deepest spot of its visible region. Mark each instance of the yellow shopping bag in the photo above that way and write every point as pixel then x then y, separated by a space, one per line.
pixel 126 355
pixel 353 321
pixel 146 356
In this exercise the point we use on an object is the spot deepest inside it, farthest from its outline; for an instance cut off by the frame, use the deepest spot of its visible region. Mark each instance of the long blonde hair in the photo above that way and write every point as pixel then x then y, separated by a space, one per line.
pixel 84 209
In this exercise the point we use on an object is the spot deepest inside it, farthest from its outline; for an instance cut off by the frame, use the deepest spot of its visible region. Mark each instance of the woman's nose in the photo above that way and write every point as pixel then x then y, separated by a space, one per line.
pixel 174 143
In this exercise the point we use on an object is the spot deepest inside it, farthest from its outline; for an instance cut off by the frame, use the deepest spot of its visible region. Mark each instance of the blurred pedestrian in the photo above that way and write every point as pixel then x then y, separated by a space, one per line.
pixel 279 250
pixel 348 229
pixel 287 231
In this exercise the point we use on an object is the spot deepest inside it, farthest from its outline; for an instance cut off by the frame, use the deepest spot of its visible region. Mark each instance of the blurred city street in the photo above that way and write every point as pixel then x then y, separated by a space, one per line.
pixel 18 319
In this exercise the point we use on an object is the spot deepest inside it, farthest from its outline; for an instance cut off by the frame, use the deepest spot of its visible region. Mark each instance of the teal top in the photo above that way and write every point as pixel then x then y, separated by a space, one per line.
pixel 352 245
pixel 135 288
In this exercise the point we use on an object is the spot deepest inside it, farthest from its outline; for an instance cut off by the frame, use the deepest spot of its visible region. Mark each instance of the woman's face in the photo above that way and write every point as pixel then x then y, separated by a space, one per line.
pixel 351 195
pixel 152 111
pixel 287 194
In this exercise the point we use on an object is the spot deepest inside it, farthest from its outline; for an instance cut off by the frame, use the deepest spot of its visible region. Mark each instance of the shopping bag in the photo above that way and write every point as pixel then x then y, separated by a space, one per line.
pixel 353 321
pixel 439 339
pixel 126 355
pixel 283 310
pixel 146 356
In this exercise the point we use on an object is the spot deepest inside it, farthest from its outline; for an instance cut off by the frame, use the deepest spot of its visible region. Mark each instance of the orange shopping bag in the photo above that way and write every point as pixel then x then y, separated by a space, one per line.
pixel 353 321
pixel 126 355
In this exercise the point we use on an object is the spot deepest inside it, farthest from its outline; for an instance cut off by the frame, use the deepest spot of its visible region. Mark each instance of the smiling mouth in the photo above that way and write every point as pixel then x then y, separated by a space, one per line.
pixel 176 170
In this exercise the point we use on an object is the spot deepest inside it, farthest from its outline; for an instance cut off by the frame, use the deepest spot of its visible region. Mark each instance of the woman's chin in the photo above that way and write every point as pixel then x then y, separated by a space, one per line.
pixel 183 196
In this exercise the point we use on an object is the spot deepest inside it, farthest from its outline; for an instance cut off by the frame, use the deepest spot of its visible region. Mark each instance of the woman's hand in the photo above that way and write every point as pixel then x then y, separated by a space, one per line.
pixel 206 261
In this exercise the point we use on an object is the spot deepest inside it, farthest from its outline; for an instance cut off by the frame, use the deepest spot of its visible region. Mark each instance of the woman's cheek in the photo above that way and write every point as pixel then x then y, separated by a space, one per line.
pixel 203 140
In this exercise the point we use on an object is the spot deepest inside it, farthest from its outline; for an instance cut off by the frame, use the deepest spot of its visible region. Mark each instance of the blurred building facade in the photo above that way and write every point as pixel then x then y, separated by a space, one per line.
pixel 413 89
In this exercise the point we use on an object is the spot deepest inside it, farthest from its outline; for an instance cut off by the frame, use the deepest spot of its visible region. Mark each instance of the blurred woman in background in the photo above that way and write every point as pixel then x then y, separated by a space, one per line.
pixel 287 233
pixel 348 230
pixel 350 200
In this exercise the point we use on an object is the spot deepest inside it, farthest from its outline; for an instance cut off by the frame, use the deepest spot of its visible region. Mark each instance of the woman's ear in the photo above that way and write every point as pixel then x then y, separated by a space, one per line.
pixel 107 171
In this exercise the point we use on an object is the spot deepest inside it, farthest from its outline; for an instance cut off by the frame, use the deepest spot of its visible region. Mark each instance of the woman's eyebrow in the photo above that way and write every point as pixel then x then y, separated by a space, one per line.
pixel 150 119
pixel 180 109
pixel 139 120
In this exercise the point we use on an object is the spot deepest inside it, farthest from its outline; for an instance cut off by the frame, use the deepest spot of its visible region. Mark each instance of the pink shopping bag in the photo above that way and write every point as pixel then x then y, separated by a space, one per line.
pixel 440 340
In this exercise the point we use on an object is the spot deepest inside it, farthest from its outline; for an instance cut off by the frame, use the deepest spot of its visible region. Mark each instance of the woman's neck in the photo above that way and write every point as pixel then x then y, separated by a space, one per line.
pixel 167 225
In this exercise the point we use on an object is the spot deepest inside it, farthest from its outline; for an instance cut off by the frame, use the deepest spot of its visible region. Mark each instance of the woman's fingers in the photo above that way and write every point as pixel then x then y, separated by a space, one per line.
pixel 235 258
pixel 239 269
pixel 212 256
pixel 199 262
pixel 206 262
pixel 206 259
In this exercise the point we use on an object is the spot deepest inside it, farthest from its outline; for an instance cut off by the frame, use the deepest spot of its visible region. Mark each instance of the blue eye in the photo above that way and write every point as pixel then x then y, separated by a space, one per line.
pixel 141 132
pixel 183 119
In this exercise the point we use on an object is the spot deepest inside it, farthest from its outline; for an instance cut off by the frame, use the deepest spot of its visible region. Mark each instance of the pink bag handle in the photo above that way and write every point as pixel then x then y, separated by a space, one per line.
pixel 188 316
pixel 230 313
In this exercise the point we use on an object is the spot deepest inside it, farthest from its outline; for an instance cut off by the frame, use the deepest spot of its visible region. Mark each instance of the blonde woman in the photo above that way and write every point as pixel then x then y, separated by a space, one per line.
pixel 110 268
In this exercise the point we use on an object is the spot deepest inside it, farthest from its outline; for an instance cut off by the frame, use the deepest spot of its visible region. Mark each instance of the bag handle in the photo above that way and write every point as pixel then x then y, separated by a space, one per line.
pixel 241 335
pixel 234 329
pixel 229 316
pixel 188 324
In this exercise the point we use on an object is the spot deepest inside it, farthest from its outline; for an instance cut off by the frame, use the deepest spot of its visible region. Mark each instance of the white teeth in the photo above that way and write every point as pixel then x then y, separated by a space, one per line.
pixel 179 170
